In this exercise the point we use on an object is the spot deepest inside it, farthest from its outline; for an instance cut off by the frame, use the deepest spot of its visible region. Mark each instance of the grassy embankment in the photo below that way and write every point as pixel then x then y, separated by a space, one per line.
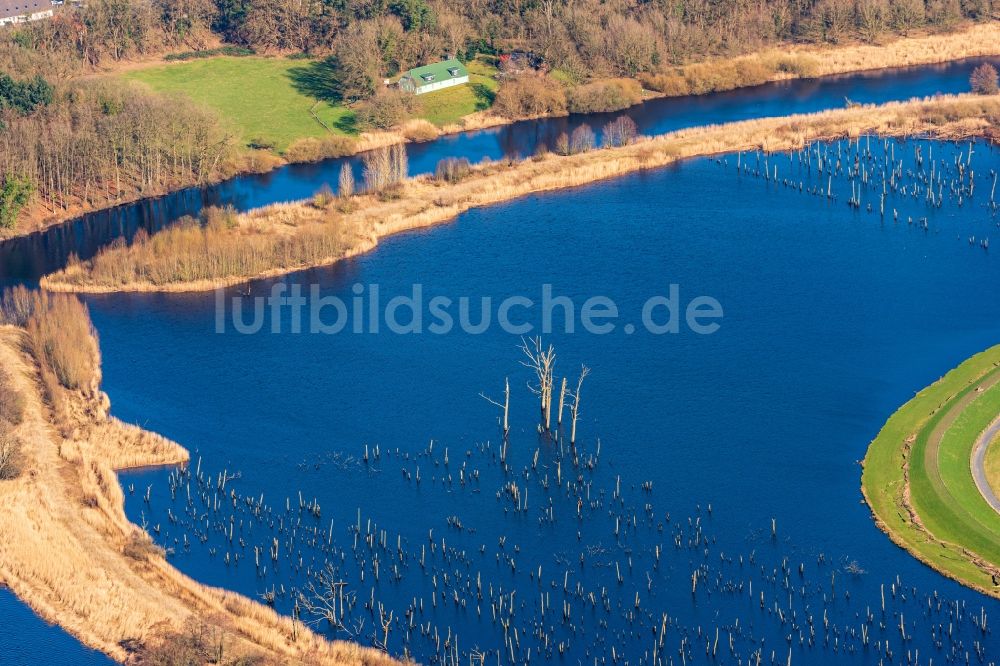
pixel 991 465
pixel 286 237
pixel 917 475
pixel 274 101
pixel 67 548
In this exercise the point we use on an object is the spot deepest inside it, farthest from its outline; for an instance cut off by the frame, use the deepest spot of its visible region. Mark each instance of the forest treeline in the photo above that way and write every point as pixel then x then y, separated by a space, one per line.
pixel 370 39
pixel 73 140
pixel 94 143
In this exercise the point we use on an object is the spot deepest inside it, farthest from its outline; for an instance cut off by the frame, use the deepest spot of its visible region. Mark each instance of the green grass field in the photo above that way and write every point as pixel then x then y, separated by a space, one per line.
pixel 942 422
pixel 444 107
pixel 271 101
pixel 268 100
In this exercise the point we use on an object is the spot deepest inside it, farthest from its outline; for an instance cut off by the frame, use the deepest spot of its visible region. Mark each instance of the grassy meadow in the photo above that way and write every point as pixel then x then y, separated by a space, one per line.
pixel 268 100
pixel 444 107
pixel 273 101
pixel 917 476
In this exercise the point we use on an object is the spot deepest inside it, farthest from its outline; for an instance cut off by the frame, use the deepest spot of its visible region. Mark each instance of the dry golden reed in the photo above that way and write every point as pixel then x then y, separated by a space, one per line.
pixel 171 261
pixel 66 546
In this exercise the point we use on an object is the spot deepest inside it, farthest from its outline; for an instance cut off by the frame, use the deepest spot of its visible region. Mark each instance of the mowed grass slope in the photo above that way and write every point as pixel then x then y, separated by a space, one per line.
pixel 953 522
pixel 271 101
pixel 444 107
pixel 265 99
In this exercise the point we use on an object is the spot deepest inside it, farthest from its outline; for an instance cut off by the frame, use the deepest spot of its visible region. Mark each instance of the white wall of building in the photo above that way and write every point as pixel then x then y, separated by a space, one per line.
pixel 438 85
pixel 37 16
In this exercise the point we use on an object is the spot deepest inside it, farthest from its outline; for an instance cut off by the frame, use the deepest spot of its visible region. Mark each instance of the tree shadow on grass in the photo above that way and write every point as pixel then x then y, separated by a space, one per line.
pixel 484 96
pixel 348 124
pixel 318 80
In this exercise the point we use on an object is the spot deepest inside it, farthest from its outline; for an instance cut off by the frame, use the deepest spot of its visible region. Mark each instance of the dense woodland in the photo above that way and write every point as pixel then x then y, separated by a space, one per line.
pixel 73 139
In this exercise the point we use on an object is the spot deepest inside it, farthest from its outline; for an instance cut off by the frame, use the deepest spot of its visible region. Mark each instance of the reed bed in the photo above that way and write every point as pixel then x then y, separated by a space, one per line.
pixel 66 546
pixel 194 251
pixel 293 236
pixel 805 62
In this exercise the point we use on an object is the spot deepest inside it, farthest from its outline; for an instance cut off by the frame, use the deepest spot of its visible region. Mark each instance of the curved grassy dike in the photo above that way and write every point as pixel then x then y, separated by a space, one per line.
pixel 917 476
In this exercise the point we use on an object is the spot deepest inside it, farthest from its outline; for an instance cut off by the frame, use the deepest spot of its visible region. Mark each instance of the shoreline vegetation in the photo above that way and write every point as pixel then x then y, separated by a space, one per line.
pixel 67 548
pixel 918 481
pixel 715 75
pixel 227 248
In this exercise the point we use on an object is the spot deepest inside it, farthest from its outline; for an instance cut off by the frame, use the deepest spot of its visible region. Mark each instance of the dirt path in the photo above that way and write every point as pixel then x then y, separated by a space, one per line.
pixel 978 466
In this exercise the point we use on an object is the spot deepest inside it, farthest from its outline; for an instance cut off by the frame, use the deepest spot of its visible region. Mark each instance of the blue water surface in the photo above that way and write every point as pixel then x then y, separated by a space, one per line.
pixel 832 319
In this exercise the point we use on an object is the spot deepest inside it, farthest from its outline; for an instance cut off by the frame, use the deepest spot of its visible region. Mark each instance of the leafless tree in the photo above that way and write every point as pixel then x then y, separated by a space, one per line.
pixel 384 167
pixel 505 406
pixel 11 457
pixel 574 409
pixel 326 598
pixel 386 621
pixel 542 360
pixel 345 187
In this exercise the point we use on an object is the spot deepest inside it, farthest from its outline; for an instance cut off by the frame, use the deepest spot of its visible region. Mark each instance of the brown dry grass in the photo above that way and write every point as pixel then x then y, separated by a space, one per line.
pixel 805 61
pixel 68 550
pixel 193 252
pixel 424 201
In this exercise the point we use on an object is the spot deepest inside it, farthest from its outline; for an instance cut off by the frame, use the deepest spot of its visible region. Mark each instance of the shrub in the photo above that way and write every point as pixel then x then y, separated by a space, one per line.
pixel 670 84
pixel 140 546
pixel 420 130
pixel 387 108
pixel 11 401
pixel 604 96
pixel 562 143
pixel 217 218
pixel 452 169
pixel 233 51
pixel 324 198
pixel 16 304
pixel 63 339
pixel 582 139
pixel 984 80
pixel 314 150
pixel 345 183
pixel 620 132
pixel 384 167
pixel 15 193
pixel 802 66
pixel 11 455
pixel 530 95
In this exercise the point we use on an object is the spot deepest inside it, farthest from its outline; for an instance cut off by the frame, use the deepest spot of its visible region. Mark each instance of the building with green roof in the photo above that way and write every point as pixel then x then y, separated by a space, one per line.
pixel 437 76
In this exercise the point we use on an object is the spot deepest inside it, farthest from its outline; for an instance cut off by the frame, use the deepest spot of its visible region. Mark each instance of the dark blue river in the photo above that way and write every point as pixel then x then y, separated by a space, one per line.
pixel 714 487
pixel 26 259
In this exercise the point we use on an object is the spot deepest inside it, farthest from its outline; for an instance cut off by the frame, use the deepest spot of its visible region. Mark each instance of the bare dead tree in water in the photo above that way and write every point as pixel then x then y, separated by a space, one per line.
pixel 326 598
pixel 562 403
pixel 574 409
pixel 542 360
pixel 506 414
pixel 386 622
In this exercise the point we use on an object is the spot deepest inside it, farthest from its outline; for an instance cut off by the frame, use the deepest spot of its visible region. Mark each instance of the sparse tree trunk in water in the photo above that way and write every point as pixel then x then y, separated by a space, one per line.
pixel 542 361
pixel 506 416
pixel 506 408
pixel 575 407
pixel 562 402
